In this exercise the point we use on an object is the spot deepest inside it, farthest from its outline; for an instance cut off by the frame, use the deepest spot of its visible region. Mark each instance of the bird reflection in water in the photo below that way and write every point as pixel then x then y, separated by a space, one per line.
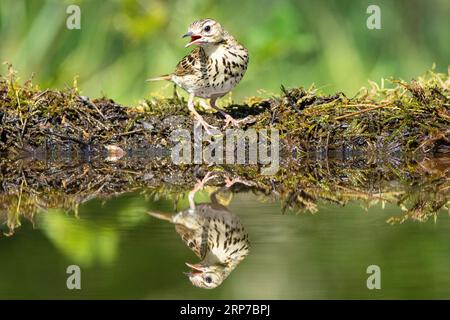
pixel 214 233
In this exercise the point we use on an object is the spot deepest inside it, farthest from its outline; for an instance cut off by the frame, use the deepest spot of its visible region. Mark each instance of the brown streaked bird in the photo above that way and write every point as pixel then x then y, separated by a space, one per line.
pixel 212 69
pixel 214 234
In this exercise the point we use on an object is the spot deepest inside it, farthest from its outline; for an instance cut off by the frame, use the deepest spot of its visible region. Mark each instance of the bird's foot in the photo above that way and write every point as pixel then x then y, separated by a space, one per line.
pixel 201 183
pixel 210 129
pixel 237 123
pixel 230 120
pixel 198 186
pixel 230 182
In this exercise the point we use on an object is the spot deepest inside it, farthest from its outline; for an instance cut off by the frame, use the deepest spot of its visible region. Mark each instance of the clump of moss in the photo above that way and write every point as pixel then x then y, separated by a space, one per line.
pixel 403 116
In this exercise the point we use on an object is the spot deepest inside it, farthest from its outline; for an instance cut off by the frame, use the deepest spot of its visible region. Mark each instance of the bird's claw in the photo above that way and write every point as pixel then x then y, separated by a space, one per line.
pixel 208 127
pixel 201 183
pixel 230 182
pixel 198 186
pixel 237 123
pixel 229 119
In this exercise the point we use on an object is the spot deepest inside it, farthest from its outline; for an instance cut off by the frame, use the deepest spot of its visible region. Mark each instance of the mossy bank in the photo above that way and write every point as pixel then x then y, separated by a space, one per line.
pixel 394 116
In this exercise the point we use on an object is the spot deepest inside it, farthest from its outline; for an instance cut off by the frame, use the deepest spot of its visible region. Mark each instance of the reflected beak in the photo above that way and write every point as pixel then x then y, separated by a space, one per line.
pixel 195 269
pixel 194 38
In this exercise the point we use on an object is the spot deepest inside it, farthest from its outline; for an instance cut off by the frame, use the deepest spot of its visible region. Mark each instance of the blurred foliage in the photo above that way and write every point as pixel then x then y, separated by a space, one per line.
pixel 295 43
pixel 83 242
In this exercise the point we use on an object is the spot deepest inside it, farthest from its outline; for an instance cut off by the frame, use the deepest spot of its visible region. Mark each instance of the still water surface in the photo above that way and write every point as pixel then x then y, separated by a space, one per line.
pixel 125 253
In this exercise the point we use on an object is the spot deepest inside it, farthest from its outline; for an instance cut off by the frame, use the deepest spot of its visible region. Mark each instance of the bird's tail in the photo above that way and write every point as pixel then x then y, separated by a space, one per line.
pixel 167 77
pixel 161 216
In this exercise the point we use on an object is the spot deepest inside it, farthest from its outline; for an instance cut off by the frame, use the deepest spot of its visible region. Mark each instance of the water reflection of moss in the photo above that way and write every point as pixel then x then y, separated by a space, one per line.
pixel 419 187
pixel 415 190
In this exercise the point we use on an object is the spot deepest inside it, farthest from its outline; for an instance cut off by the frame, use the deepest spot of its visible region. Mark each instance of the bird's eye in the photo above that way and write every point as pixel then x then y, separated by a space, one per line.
pixel 208 279
pixel 207 28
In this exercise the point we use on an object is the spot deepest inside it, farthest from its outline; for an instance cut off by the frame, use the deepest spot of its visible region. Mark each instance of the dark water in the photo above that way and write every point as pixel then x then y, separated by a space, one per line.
pixel 125 253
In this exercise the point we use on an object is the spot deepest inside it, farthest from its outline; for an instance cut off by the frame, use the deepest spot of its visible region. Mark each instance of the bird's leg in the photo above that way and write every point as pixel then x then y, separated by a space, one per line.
pixel 198 186
pixel 228 119
pixel 199 118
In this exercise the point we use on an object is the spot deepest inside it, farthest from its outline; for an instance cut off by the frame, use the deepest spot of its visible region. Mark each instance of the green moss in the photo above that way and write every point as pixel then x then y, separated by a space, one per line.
pixel 396 116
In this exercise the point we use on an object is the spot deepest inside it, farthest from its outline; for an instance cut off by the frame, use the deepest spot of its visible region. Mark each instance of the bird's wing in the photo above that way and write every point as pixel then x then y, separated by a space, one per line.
pixel 204 242
pixel 187 65
pixel 191 238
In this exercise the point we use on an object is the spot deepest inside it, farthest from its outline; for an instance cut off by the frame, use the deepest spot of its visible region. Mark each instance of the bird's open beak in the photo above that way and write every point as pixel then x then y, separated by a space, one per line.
pixel 195 269
pixel 194 38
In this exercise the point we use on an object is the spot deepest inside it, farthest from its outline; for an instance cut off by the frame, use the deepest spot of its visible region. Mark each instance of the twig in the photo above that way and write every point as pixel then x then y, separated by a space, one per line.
pixel 359 112
pixel 90 103
pixel 68 138
pixel 129 132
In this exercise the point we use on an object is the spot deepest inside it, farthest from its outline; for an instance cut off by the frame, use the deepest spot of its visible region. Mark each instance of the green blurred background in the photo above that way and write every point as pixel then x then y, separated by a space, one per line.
pixel 295 43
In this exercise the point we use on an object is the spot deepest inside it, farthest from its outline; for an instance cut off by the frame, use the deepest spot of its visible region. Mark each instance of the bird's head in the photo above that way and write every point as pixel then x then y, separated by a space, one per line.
pixel 205 32
pixel 207 276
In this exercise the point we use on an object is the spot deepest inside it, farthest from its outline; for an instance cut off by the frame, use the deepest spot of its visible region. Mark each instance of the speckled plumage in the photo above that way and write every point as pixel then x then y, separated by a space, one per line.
pixel 212 72
pixel 212 69
pixel 215 235
pixel 216 231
